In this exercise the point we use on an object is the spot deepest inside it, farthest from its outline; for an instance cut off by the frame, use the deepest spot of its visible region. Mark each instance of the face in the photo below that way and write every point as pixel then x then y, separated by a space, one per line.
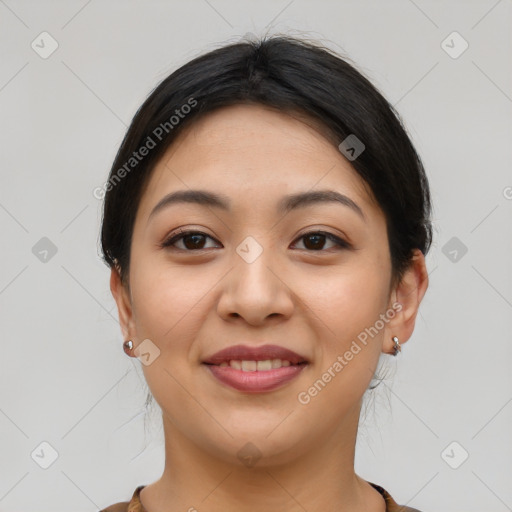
pixel 313 278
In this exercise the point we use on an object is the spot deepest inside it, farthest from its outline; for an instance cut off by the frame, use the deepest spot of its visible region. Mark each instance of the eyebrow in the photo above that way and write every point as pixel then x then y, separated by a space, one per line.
pixel 287 204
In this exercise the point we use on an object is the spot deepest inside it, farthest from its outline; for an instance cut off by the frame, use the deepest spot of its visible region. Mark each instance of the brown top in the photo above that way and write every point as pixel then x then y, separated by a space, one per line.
pixel 134 505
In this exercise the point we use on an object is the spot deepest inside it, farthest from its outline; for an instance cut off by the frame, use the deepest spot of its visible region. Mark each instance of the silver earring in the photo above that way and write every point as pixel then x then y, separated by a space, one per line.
pixel 127 346
pixel 397 346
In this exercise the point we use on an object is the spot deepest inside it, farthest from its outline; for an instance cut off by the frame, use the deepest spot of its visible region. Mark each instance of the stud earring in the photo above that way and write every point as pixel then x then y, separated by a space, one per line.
pixel 127 346
pixel 397 348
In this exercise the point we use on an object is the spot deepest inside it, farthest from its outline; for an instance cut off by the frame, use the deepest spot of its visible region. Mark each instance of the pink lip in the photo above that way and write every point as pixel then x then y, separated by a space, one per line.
pixel 262 353
pixel 257 381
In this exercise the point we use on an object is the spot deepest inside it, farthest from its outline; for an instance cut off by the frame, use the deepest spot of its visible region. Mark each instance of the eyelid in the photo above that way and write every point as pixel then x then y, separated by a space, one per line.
pixel 341 241
pixel 324 231
pixel 182 232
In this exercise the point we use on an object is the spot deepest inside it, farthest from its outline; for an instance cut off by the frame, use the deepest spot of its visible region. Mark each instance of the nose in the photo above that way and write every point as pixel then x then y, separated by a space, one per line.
pixel 255 291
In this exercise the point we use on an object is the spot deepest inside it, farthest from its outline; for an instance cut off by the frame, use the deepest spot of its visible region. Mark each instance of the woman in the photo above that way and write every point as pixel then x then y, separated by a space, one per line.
pixel 266 222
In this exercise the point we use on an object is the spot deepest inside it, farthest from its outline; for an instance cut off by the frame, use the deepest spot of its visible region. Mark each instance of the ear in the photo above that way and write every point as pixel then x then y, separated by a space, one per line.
pixel 409 293
pixel 124 305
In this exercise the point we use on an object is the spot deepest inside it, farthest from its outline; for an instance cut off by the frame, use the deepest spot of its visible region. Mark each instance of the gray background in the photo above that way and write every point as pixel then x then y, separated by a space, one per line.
pixel 64 377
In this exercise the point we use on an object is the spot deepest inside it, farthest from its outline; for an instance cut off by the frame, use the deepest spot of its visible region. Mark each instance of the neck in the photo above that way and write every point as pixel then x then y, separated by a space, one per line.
pixel 322 478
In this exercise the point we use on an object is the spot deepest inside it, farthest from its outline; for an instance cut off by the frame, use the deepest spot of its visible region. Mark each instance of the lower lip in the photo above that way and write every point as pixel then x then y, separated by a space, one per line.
pixel 255 382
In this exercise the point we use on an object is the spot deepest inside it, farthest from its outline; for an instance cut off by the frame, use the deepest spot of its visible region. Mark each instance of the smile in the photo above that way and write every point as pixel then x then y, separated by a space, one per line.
pixel 256 376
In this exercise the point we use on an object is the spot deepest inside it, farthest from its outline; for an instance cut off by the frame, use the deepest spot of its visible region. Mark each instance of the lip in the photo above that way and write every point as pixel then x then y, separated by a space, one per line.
pixel 255 381
pixel 262 353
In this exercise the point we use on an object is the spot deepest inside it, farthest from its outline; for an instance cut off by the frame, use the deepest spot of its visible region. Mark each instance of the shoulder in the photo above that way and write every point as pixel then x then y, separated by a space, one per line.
pixel 391 504
pixel 134 505
pixel 117 507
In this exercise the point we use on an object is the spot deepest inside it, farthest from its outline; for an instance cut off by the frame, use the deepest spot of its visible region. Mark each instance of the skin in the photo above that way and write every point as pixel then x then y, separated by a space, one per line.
pixel 314 301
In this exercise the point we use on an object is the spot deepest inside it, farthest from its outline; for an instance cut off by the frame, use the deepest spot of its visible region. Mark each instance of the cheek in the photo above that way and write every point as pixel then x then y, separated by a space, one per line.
pixel 167 296
pixel 169 306
pixel 347 355
pixel 347 301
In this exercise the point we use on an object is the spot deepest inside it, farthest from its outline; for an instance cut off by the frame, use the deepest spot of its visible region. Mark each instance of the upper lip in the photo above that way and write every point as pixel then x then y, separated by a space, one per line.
pixel 261 353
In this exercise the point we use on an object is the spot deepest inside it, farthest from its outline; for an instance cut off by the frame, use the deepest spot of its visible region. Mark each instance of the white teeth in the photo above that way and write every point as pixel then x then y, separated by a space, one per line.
pixel 237 365
pixel 264 365
pixel 261 366
pixel 249 366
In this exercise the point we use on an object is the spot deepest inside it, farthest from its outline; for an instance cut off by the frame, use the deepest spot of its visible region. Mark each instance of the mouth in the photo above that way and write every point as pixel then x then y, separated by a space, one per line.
pixel 255 369
pixel 261 354
pixel 257 366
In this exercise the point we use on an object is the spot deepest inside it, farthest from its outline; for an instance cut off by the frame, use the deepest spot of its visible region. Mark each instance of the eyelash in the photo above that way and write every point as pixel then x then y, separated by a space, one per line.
pixel 342 244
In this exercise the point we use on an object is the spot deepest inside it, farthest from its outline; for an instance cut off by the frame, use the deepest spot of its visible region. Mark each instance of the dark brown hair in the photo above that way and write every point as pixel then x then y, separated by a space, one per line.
pixel 290 75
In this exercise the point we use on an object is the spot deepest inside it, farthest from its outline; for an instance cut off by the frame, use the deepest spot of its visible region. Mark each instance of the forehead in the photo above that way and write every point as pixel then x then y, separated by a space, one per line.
pixel 256 154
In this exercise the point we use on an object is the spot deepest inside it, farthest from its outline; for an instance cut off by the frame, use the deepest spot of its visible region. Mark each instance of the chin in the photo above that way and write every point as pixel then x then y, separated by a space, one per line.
pixel 261 447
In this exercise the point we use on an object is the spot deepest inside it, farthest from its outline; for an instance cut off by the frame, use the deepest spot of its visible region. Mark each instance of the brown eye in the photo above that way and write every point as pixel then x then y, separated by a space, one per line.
pixel 192 240
pixel 315 240
pixel 195 241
